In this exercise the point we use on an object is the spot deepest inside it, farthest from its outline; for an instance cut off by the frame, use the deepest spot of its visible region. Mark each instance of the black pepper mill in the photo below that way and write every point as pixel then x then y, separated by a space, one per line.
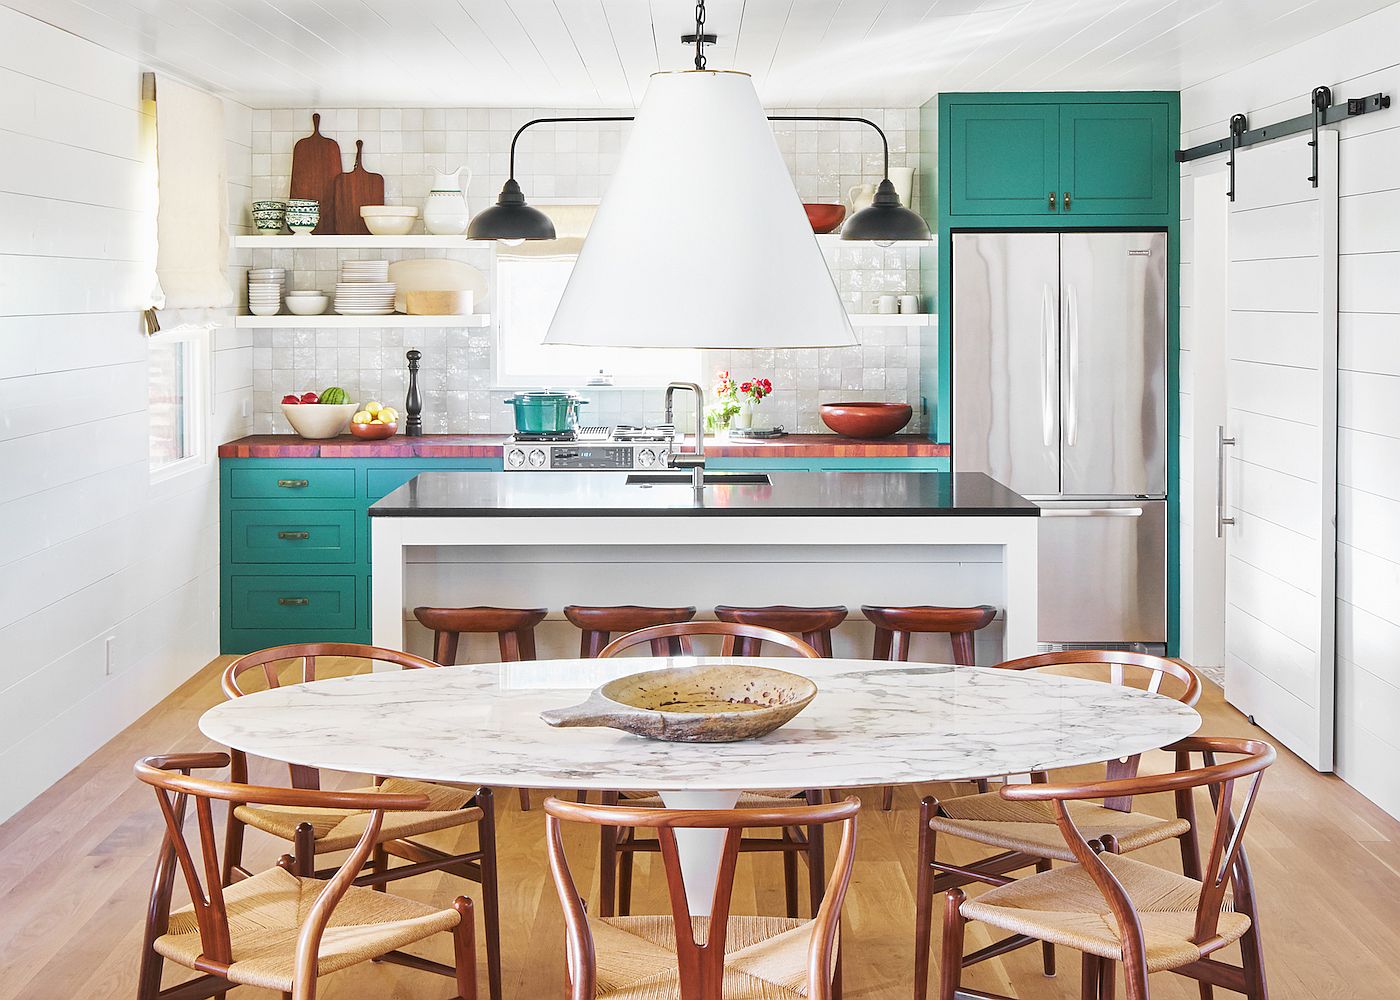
pixel 413 403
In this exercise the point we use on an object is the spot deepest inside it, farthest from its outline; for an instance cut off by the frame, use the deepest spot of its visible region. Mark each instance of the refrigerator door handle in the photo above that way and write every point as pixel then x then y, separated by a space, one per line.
pixel 1048 366
pixel 1091 512
pixel 1072 403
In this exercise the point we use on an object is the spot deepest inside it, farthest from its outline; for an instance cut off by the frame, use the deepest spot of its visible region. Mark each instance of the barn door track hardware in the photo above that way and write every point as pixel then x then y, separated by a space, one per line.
pixel 1321 113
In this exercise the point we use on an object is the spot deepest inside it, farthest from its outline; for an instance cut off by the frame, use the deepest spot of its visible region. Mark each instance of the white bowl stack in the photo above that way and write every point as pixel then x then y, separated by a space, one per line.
pixel 265 285
pixel 364 288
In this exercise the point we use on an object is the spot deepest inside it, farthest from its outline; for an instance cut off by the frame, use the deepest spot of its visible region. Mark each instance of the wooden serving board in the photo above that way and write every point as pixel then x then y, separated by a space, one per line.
pixel 350 191
pixel 315 166
pixel 434 275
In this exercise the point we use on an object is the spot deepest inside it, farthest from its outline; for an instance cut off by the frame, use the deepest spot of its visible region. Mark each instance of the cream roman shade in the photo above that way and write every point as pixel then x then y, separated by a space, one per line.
pixel 571 224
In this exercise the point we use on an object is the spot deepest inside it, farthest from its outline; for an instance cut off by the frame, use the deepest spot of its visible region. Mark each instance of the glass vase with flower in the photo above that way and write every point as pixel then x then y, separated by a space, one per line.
pixel 724 406
pixel 751 393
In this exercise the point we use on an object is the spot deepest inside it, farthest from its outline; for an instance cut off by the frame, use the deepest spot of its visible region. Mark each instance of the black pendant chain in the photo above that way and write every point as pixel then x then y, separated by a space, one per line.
pixel 700 34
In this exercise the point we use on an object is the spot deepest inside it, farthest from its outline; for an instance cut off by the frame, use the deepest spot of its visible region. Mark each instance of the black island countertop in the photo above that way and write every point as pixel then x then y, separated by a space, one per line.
pixel 784 494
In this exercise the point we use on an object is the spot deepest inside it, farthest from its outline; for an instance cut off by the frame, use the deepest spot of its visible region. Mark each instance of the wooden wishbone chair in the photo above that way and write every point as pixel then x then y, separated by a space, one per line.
pixel 1025 831
pixel 1114 909
pixel 731 631
pixel 618 846
pixel 277 929
pixel 314 832
pixel 740 956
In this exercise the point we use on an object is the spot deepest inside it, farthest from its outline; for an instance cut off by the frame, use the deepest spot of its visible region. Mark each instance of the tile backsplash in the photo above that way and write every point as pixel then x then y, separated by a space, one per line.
pixel 561 163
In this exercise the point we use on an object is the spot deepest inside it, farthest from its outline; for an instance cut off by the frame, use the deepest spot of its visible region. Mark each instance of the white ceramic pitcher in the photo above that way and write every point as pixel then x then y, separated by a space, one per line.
pixel 445 211
pixel 902 178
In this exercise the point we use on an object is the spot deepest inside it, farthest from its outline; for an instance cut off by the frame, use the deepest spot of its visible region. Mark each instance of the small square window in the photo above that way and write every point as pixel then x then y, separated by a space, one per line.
pixel 173 406
pixel 528 290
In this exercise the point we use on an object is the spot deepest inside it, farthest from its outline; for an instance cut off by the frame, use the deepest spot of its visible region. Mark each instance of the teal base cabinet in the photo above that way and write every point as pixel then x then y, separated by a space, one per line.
pixel 294 537
pixel 294 545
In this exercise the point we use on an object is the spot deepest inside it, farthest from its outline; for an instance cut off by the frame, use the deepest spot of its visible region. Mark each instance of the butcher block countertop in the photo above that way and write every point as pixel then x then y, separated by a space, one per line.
pixel 489 446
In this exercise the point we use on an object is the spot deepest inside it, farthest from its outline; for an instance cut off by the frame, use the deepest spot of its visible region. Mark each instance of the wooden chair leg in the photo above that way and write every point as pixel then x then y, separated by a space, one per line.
pixel 445 647
pixel 1089 977
pixel 304 850
pixel 1047 950
pixel 887 802
pixel 490 890
pixel 624 884
pixel 607 861
pixel 1251 945
pixel 464 949
pixel 882 644
pixel 923 897
pixel 525 800
pixel 816 856
pixel 1106 980
pixel 527 643
pixel 509 643
pixel 899 646
pixel 983 786
pixel 963 652
pixel 380 864
pixel 233 846
pixel 789 875
pixel 950 968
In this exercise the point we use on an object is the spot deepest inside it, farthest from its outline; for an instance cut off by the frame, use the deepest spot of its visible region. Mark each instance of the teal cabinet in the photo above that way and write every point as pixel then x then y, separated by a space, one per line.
pixel 299 536
pixel 294 603
pixel 1114 160
pixel 1055 160
pixel 1005 159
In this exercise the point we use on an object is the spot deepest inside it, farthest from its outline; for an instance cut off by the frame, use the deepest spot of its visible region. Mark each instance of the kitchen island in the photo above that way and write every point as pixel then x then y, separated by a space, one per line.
pixel 807 538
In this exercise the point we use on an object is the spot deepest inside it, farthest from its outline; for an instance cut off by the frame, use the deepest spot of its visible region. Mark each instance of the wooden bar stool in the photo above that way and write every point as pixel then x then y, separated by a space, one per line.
pixel 895 626
pixel 514 628
pixel 599 623
pixel 812 625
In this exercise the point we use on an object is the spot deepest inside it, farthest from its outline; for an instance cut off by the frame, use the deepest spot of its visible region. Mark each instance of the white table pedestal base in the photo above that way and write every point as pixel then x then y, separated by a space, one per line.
pixel 700 850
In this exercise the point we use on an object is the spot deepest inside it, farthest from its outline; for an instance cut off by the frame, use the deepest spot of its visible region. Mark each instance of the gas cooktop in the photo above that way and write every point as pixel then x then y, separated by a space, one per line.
pixel 624 448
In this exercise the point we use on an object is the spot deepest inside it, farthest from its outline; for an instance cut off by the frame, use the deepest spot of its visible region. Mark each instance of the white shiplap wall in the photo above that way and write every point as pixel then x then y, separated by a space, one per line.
pixel 89 549
pixel 1355 60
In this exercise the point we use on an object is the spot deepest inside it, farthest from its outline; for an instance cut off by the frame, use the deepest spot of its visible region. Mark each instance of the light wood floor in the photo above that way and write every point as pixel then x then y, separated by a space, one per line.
pixel 75 868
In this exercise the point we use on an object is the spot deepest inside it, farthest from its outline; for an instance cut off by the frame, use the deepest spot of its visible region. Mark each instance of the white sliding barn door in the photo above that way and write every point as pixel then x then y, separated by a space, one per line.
pixel 1281 471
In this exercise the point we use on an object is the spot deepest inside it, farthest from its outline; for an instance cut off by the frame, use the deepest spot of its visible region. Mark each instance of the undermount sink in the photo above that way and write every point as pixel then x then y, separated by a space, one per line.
pixel 711 479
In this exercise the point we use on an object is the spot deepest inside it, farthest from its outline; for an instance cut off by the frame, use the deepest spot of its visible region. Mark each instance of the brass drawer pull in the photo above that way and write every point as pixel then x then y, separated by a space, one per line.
pixel 1052 201
pixel 1066 201
pixel 292 601
pixel 293 484
pixel 294 536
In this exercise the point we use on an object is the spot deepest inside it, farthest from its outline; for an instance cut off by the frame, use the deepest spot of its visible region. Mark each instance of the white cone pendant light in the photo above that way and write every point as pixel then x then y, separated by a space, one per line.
pixel 701 239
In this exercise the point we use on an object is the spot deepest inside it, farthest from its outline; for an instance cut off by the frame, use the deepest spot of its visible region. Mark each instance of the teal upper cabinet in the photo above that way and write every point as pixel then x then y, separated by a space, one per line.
pixel 1004 159
pixel 1114 159
pixel 1049 159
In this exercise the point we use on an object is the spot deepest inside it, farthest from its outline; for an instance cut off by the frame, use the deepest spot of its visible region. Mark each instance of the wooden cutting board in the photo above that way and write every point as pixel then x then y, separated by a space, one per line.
pixel 435 275
pixel 315 166
pixel 350 191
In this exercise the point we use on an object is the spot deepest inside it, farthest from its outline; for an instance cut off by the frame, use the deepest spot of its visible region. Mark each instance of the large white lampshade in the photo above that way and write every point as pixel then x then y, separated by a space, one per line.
pixel 701 240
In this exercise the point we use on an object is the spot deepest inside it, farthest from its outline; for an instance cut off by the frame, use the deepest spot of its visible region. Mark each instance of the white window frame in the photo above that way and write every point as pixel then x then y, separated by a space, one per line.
pixel 660 368
pixel 197 402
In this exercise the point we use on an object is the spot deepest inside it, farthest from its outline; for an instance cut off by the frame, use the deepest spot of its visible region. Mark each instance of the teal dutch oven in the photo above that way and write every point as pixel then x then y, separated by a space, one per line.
pixel 545 411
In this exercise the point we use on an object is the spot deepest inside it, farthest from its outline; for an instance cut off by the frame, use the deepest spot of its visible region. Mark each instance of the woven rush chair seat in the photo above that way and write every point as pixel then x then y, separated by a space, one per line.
pixel 747 800
pixel 267 910
pixel 1030 827
pixel 1065 907
pixel 765 957
pixel 339 829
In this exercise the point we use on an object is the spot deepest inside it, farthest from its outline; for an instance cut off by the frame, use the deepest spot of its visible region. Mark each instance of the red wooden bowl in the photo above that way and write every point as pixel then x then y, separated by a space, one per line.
pixel 825 218
pixel 866 420
pixel 374 432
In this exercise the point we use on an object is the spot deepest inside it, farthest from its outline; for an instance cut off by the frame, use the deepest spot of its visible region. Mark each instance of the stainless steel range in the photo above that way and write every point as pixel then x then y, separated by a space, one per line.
pixel 622 448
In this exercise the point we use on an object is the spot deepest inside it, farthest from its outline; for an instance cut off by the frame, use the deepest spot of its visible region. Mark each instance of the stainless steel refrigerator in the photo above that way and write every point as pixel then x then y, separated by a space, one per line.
pixel 1059 391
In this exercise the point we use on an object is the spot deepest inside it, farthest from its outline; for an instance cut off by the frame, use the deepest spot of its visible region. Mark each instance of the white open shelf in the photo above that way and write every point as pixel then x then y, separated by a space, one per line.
pixel 328 320
pixel 296 242
pixel 892 319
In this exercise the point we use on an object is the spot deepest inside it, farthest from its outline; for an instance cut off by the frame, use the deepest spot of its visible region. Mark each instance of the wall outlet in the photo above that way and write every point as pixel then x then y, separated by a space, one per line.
pixel 111 654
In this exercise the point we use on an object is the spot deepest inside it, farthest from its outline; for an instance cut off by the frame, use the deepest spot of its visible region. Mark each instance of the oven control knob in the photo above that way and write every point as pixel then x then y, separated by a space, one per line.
pixel 663 457
pixel 646 458
pixel 537 458
pixel 515 458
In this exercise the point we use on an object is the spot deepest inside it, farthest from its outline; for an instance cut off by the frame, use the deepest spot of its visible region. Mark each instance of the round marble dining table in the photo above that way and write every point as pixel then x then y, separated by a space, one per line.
pixel 871 723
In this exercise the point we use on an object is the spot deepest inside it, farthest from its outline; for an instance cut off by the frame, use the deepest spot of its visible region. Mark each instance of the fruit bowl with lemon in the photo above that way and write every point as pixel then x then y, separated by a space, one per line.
pixel 374 422
pixel 318 416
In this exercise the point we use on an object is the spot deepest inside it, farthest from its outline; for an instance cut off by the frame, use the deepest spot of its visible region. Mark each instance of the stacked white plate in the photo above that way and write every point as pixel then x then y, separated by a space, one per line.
pixel 364 288
pixel 265 285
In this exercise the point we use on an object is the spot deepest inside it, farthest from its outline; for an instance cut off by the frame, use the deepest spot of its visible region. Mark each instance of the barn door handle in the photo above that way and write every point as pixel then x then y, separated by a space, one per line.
pixel 1221 443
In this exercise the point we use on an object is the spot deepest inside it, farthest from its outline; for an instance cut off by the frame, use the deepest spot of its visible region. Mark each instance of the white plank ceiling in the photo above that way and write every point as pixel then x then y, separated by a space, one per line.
pixel 598 53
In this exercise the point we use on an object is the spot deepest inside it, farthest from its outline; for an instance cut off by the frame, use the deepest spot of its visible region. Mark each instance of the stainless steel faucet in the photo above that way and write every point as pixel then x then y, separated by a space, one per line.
pixel 692 460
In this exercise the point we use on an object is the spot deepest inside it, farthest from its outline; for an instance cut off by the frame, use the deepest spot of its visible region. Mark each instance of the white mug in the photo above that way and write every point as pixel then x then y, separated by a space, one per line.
pixel 908 304
pixel 886 303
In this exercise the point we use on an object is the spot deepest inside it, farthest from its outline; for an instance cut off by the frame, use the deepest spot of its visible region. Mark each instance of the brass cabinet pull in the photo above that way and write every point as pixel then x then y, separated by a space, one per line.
pixel 294 536
pixel 1052 201
pixel 292 601
pixel 1066 201
pixel 293 484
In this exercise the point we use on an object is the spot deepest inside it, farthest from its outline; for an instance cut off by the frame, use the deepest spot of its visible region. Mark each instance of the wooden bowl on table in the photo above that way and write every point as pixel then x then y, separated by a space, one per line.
pixel 710 703
pixel 824 218
pixel 866 420
pixel 374 432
